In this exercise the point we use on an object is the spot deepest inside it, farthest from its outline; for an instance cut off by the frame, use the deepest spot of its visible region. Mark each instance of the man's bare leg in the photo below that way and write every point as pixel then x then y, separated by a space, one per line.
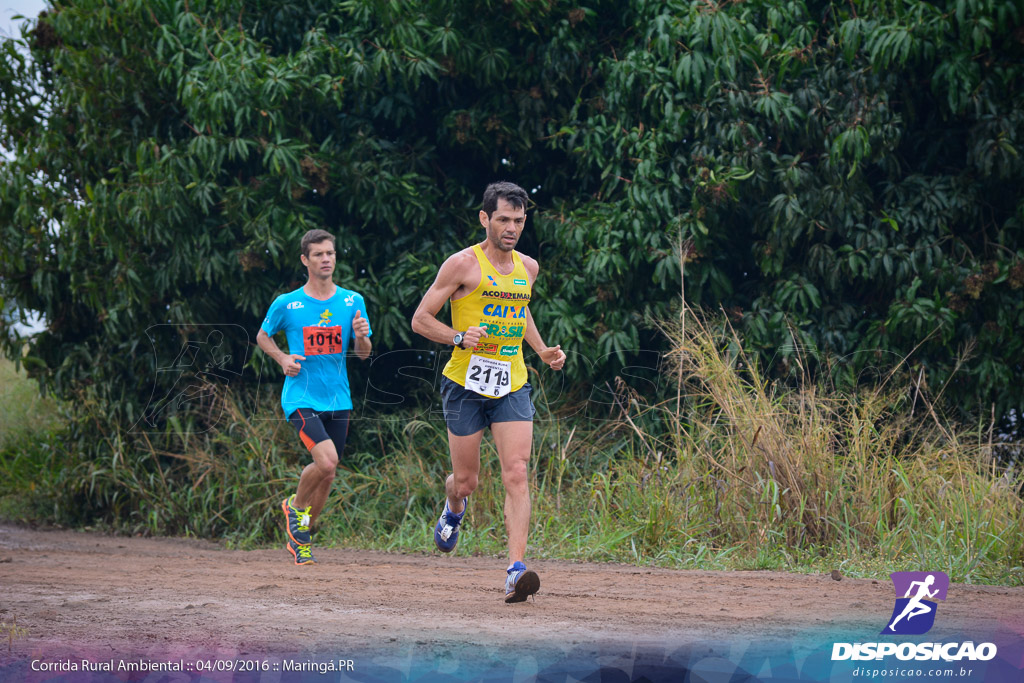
pixel 465 452
pixel 514 441
pixel 316 479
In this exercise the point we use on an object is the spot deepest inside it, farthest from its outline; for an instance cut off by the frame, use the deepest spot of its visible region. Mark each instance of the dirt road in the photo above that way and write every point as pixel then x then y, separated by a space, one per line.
pixel 87 597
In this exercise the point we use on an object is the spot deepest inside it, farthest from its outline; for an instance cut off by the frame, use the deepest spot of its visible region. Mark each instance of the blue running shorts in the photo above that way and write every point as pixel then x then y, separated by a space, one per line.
pixel 467 412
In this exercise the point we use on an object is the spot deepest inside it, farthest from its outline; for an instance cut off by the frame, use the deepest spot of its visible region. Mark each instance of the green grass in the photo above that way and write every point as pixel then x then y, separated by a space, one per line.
pixel 742 474
pixel 28 464
pixel 23 411
pixel 628 512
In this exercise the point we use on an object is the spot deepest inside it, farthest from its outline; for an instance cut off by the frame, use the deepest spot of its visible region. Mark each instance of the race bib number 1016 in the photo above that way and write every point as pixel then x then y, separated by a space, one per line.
pixel 319 341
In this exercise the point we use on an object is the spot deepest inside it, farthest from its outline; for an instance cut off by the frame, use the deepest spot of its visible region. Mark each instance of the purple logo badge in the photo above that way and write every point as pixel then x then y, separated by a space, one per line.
pixel 916 593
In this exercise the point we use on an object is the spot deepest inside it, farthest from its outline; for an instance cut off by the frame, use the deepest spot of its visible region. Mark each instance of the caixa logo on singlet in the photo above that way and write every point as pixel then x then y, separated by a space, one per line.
pixel 915 608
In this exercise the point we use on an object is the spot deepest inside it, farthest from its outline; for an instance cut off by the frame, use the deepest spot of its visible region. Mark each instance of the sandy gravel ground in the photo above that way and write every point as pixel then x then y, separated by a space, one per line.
pixel 102 596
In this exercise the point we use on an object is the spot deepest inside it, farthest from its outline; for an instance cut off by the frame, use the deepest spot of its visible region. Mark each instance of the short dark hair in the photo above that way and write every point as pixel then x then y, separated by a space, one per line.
pixel 510 192
pixel 315 237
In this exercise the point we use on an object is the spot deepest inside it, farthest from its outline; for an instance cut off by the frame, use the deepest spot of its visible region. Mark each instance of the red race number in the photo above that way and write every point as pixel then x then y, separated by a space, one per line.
pixel 319 341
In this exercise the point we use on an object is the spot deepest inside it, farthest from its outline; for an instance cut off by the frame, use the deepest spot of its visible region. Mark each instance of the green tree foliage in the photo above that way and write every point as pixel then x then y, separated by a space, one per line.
pixel 842 178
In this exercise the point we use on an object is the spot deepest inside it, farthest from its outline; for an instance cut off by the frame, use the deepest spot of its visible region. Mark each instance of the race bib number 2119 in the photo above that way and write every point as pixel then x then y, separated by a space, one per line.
pixel 489 376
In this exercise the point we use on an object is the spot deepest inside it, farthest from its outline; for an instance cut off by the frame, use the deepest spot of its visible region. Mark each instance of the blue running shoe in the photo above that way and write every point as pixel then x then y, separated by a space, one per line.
pixel 446 533
pixel 296 521
pixel 521 583
pixel 303 554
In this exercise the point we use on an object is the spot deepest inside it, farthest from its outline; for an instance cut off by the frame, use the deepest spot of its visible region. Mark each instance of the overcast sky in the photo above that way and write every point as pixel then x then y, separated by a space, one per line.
pixel 10 8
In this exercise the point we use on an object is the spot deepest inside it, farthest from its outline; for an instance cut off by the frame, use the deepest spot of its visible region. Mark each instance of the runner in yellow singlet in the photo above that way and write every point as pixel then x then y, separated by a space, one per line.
pixel 484 383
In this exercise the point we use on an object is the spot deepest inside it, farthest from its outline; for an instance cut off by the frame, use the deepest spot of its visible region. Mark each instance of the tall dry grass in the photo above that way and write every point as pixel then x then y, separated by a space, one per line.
pixel 810 468
pixel 737 472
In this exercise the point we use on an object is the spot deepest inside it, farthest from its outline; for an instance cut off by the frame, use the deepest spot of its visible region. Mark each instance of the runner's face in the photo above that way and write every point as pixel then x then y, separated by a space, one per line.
pixel 505 225
pixel 321 260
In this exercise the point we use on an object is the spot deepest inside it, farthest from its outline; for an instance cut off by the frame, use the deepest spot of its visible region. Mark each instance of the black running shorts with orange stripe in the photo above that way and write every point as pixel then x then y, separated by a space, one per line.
pixel 314 427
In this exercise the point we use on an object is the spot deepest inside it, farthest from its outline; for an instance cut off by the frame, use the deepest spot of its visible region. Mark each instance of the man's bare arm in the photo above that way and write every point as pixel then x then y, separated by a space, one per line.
pixel 287 361
pixel 532 335
pixel 363 346
pixel 449 278
pixel 361 336
pixel 552 355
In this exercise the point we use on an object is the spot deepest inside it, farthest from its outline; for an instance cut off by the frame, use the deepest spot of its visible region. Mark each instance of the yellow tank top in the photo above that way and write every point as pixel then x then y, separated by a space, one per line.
pixel 498 303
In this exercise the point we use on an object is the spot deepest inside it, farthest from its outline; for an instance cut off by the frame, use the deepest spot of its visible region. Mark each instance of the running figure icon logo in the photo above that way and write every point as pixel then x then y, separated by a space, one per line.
pixel 916 593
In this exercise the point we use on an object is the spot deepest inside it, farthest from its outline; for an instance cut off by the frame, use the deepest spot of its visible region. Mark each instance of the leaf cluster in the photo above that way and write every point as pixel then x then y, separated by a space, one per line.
pixel 841 178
